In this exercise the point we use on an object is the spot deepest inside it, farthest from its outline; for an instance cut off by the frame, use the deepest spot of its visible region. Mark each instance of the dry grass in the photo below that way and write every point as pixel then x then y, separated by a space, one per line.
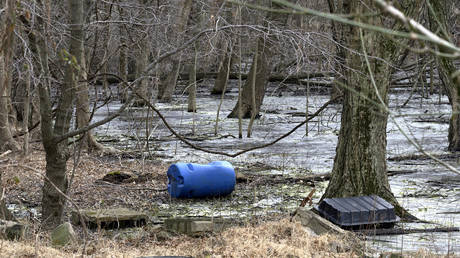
pixel 271 239
pixel 23 186
pixel 279 238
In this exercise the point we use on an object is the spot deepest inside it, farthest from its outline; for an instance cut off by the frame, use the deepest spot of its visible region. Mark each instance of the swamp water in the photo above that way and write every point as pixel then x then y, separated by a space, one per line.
pixel 427 189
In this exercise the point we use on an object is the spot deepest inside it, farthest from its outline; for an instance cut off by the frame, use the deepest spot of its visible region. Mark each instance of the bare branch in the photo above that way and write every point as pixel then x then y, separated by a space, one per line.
pixel 232 155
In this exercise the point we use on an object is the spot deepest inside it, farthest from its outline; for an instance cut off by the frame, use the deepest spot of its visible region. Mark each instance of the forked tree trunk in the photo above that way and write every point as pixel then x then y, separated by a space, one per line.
pixel 360 161
pixel 57 153
pixel 446 70
pixel 264 56
pixel 7 25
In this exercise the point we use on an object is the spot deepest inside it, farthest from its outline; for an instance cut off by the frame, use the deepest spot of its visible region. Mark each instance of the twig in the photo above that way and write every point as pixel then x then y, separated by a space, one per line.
pixel 304 202
pixel 5 153
pixel 414 25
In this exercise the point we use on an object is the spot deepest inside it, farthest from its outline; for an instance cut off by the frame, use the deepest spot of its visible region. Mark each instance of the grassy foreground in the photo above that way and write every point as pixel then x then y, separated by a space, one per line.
pixel 267 237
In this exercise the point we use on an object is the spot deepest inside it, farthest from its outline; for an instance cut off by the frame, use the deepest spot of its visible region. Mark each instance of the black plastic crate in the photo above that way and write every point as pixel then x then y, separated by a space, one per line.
pixel 360 211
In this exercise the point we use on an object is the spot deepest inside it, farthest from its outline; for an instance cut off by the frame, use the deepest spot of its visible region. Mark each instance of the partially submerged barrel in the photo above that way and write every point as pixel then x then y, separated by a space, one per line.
pixel 190 180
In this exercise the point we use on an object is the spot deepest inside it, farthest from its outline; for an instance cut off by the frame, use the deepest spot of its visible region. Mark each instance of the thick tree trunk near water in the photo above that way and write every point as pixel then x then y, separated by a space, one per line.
pixel 7 25
pixel 264 67
pixel 446 69
pixel 360 161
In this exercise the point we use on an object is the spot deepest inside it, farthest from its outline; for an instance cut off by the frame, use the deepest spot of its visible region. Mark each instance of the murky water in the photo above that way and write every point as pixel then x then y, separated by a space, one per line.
pixel 431 192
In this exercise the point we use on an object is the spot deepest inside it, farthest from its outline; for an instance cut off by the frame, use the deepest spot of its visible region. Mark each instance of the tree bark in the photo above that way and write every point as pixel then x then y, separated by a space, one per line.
pixel 264 69
pixel 167 87
pixel 82 101
pixel 57 153
pixel 438 21
pixel 191 105
pixel 123 61
pixel 339 37
pixel 360 161
pixel 5 214
pixel 264 56
pixel 220 84
pixel 7 25
pixel 142 55
pixel 224 70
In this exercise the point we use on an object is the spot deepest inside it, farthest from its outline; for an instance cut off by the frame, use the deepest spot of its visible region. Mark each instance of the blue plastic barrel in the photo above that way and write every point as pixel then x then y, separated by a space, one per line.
pixel 189 180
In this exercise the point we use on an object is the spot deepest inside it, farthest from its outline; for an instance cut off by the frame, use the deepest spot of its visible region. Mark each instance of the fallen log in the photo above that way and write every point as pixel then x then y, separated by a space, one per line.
pixel 294 78
pixel 246 177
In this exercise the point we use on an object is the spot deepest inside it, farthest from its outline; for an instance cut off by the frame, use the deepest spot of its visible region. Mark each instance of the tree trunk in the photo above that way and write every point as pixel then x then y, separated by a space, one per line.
pixel 339 37
pixel 82 102
pixel 142 58
pixel 224 70
pixel 167 87
pixel 360 161
pixel 225 46
pixel 264 69
pixel 264 56
pixel 7 25
pixel 445 70
pixel 191 107
pixel 5 214
pixel 123 61
pixel 57 153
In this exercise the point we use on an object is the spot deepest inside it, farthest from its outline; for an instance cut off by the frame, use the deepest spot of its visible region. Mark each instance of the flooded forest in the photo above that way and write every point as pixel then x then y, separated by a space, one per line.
pixel 108 106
